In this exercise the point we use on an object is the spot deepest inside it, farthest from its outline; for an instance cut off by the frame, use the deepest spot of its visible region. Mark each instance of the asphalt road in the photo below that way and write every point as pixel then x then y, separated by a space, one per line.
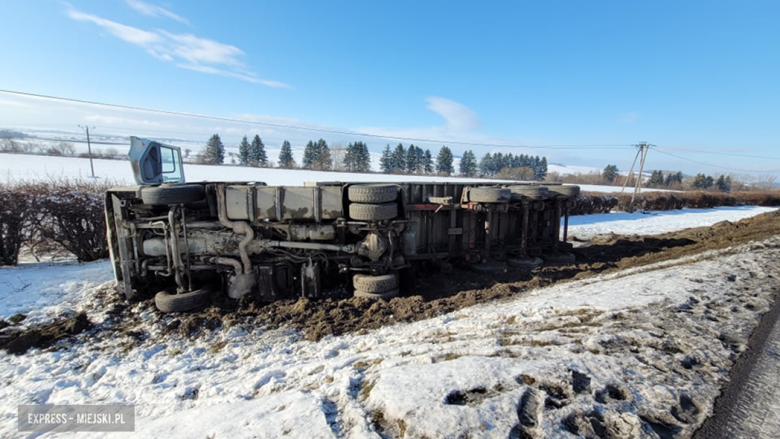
pixel 749 406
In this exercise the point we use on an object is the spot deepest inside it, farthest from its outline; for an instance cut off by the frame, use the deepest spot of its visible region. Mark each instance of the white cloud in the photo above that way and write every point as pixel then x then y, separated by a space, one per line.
pixel 155 11
pixel 200 50
pixel 630 117
pixel 187 51
pixel 236 75
pixel 127 33
pixel 459 128
pixel 458 116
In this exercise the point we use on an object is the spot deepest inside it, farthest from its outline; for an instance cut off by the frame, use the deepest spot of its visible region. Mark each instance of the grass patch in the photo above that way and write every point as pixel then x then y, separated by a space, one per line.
pixel 366 389
pixel 216 347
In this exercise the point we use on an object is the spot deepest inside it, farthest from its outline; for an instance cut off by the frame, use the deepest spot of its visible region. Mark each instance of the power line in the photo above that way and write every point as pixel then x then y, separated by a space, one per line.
pixel 733 154
pixel 321 130
pixel 767 171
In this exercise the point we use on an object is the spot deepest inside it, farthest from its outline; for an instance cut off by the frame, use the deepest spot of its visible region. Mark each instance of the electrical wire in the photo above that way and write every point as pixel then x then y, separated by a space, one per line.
pixel 732 154
pixel 766 171
pixel 321 130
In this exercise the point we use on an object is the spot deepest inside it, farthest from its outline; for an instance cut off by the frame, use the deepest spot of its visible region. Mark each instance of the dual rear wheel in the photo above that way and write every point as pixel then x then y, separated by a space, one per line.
pixel 376 287
pixel 373 202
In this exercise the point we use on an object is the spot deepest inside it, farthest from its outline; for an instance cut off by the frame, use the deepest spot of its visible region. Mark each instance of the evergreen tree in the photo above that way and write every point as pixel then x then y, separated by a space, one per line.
pixel 723 184
pixel 215 151
pixel 486 166
pixel 310 155
pixel 399 158
pixel 350 158
pixel 411 160
pixel 258 156
pixel 428 162
pixel 325 162
pixel 673 179
pixel 656 179
pixel 540 168
pixel 444 161
pixel 357 158
pixel 316 155
pixel 543 169
pixel 363 158
pixel 243 152
pixel 610 173
pixel 468 164
pixel 286 159
pixel 386 161
pixel 703 182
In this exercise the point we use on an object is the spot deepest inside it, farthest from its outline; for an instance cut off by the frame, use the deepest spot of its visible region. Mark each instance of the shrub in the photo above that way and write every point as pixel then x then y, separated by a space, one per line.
pixel 593 202
pixel 14 223
pixel 51 216
pixel 71 214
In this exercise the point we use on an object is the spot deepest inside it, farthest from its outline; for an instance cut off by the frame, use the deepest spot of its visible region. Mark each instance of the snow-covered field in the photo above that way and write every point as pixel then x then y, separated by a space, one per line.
pixel 104 143
pixel 656 222
pixel 15 167
pixel 636 353
pixel 21 167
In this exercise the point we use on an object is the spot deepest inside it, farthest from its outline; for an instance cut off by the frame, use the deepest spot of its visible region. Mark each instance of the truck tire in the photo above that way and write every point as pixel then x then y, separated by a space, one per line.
pixel 375 284
pixel 527 191
pixel 373 212
pixel 173 194
pixel 372 193
pixel 566 191
pixel 489 195
pixel 167 302
pixel 387 295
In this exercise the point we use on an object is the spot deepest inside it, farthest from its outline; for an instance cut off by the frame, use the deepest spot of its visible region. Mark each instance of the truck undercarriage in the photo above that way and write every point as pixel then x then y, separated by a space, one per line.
pixel 186 241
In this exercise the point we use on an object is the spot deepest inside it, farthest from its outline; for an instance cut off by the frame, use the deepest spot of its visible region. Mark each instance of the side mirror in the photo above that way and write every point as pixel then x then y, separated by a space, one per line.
pixel 154 162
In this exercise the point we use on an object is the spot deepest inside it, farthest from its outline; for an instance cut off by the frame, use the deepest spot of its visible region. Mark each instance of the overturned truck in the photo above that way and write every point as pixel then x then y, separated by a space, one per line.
pixel 185 242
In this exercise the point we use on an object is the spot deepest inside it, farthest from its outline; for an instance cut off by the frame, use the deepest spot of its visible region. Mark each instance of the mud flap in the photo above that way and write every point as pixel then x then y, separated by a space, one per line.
pixel 311 280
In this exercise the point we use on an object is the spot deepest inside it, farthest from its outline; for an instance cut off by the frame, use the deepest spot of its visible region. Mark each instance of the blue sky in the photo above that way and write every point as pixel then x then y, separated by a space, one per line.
pixel 579 80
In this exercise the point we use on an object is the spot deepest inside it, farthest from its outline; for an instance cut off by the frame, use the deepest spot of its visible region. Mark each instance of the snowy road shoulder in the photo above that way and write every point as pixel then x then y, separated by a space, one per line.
pixel 632 355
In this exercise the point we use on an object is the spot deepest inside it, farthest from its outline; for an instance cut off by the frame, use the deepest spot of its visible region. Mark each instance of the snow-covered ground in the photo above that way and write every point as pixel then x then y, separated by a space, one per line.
pixel 102 143
pixel 634 351
pixel 656 222
pixel 15 167
pixel 31 167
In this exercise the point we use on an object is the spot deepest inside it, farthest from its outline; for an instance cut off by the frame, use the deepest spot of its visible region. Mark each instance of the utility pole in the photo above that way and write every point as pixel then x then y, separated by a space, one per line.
pixel 89 148
pixel 641 154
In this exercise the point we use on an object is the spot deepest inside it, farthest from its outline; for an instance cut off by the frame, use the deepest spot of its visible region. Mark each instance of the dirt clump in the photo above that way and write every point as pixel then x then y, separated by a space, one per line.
pixel 18 341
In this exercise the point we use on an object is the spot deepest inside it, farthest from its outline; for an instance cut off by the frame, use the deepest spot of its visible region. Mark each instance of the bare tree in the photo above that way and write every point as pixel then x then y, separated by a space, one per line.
pixel 110 153
pixel 337 153
pixel 740 182
pixel 62 148
pixel 766 182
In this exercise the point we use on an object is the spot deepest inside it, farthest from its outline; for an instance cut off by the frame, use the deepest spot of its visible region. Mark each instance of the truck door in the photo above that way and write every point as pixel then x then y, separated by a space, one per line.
pixel 154 162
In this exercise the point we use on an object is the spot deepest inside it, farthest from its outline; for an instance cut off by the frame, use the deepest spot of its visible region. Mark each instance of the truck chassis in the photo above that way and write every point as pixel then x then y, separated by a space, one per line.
pixel 185 241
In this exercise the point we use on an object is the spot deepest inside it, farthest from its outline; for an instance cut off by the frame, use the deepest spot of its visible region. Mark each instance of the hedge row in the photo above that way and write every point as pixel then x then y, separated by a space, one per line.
pixel 592 202
pixel 53 216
